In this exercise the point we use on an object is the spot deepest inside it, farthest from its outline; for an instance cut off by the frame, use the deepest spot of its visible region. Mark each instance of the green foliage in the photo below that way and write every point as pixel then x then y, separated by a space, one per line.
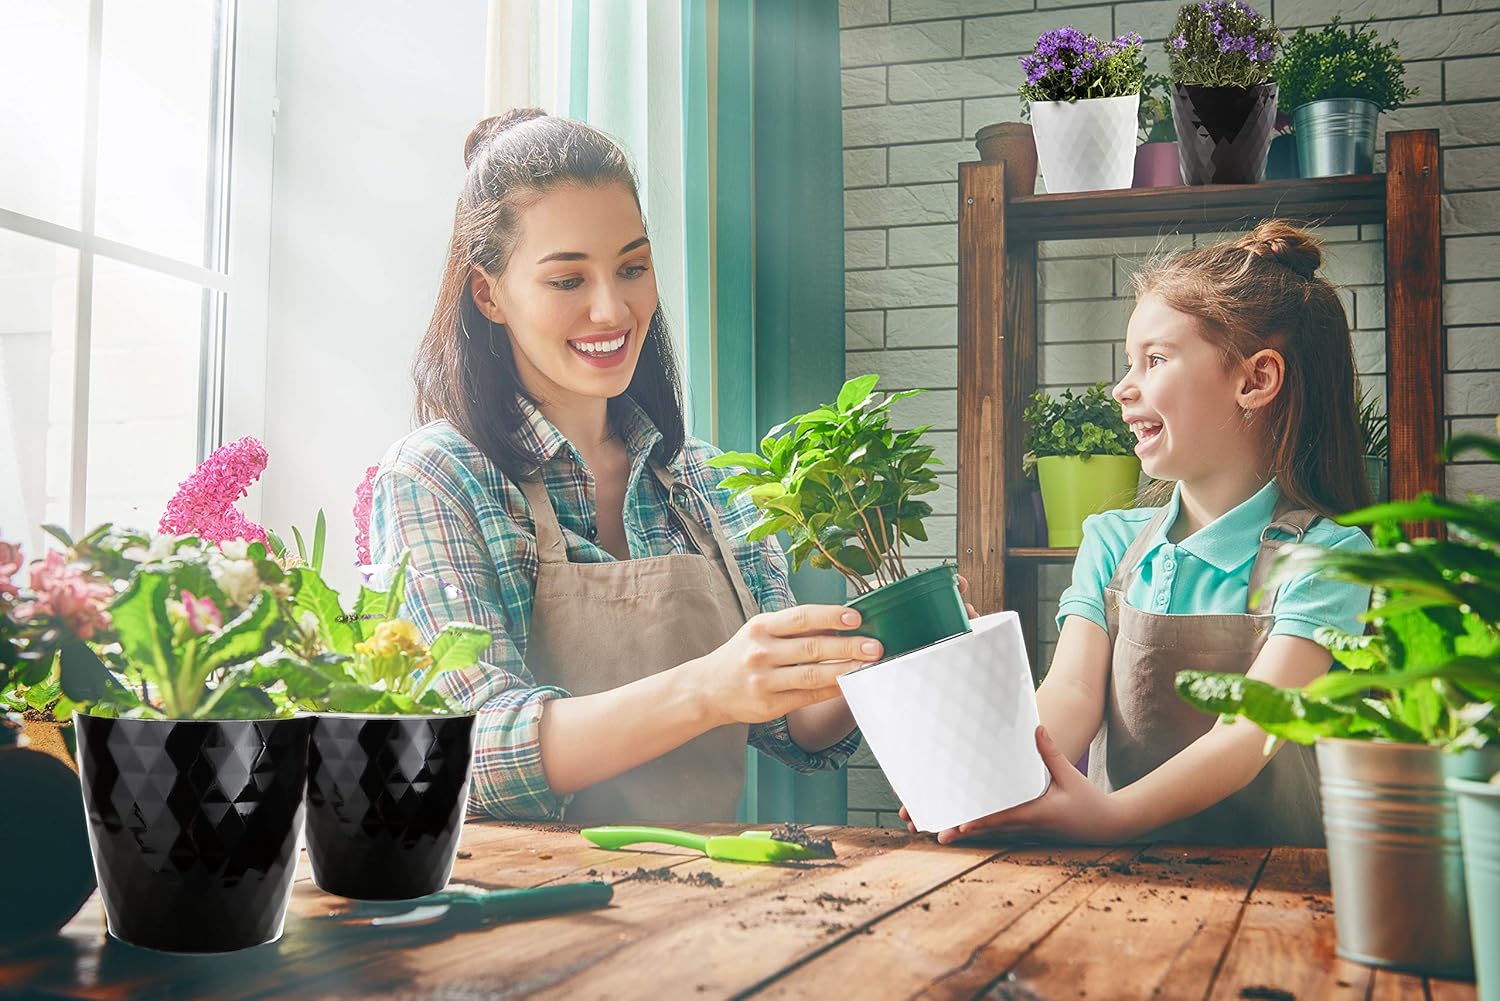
pixel 842 483
pixel 1222 43
pixel 1340 61
pixel 1431 672
pixel 1156 124
pixel 1090 424
pixel 1374 426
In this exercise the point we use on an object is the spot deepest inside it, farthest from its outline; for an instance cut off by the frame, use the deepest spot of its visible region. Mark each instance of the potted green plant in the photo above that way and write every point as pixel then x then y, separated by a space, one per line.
pixel 845 485
pixel 193 776
pixel 1223 99
pixel 1374 432
pixel 1084 458
pixel 1156 159
pixel 1082 95
pixel 1337 81
pixel 1411 706
pixel 390 755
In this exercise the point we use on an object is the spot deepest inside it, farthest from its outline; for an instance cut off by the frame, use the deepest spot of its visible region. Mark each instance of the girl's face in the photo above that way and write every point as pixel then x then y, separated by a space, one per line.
pixel 577 295
pixel 1185 405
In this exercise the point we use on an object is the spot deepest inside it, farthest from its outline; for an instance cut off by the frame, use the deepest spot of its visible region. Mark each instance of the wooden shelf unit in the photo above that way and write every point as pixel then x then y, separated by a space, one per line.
pixel 997 324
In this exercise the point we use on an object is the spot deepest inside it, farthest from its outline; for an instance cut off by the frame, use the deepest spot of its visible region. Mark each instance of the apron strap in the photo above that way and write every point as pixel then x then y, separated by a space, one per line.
pixel 550 545
pixel 708 540
pixel 1125 569
pixel 1289 520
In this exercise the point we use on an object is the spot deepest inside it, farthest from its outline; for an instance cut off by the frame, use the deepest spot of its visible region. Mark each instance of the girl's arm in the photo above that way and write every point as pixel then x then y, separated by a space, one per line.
pixel 1070 700
pixel 1226 758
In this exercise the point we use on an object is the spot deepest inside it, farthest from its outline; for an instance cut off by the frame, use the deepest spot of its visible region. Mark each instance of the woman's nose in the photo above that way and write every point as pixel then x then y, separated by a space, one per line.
pixel 609 306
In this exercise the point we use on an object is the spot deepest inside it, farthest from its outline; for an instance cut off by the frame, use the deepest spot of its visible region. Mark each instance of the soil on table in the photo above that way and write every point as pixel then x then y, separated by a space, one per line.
pixel 796 834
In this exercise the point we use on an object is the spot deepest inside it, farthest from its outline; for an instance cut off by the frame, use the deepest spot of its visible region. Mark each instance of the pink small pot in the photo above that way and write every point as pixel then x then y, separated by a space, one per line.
pixel 1157 166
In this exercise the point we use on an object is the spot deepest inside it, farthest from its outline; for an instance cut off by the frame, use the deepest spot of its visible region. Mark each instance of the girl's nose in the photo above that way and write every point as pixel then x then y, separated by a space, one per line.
pixel 1122 389
pixel 608 306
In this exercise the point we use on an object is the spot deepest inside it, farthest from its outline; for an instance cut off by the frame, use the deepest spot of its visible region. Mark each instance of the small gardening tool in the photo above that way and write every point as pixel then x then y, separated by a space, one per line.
pixel 751 846
pixel 474 906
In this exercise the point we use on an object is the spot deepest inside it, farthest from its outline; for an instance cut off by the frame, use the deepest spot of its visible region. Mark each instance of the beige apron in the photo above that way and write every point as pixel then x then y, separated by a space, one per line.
pixel 1146 721
pixel 597 626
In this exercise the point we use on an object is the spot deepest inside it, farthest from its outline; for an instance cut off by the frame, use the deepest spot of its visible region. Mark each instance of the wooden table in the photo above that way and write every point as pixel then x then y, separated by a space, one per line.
pixel 891 916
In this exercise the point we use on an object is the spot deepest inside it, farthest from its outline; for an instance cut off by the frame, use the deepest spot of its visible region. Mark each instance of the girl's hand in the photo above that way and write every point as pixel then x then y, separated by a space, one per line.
pixel 779 662
pixel 963 592
pixel 1072 809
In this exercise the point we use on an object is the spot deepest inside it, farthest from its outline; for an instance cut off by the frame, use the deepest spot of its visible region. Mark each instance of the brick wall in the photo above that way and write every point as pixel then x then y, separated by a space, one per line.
pixel 921 76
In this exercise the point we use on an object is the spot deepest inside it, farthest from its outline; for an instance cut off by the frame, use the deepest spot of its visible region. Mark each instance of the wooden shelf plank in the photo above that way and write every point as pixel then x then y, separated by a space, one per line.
pixel 1194 209
pixel 1042 554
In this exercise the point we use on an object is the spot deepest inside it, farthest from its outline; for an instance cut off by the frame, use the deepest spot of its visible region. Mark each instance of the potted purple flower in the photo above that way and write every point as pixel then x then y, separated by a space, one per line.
pixel 1221 54
pixel 1083 97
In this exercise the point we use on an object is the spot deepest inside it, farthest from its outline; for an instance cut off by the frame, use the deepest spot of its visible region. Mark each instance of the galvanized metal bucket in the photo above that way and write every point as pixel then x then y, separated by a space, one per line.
pixel 1336 136
pixel 1395 858
pixel 1479 816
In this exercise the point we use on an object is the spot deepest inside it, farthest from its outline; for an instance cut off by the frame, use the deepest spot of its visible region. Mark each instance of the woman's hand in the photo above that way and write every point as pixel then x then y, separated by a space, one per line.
pixel 963 592
pixel 1072 809
pixel 779 662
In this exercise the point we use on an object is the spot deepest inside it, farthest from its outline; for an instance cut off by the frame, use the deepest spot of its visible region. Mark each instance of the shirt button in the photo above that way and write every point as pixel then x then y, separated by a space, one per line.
pixel 593 533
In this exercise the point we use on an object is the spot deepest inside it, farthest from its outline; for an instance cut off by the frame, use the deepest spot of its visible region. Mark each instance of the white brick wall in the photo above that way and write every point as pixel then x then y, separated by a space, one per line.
pixel 922 76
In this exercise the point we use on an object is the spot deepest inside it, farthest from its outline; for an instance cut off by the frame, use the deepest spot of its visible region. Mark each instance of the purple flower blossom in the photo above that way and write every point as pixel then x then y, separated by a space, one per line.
pixel 1179 43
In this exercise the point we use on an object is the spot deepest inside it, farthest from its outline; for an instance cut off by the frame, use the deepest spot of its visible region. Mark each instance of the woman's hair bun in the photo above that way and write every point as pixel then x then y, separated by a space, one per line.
pixel 483 133
pixel 1279 241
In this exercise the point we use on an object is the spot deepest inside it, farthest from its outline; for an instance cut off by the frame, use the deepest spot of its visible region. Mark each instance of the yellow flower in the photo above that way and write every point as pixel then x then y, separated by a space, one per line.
pixel 397 637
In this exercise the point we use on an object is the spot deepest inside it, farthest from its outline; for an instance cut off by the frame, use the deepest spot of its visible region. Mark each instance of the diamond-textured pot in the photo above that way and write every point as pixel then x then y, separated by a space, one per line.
pixel 193 826
pixel 1086 145
pixel 1223 133
pixel 386 797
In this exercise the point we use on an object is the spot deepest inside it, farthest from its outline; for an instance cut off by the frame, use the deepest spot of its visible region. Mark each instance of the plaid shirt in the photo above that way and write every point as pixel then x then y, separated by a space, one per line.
pixel 473 558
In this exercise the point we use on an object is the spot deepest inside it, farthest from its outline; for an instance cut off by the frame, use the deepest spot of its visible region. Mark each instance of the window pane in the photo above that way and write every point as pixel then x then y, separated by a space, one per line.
pixel 43 58
pixel 143 391
pixel 38 316
pixel 158 125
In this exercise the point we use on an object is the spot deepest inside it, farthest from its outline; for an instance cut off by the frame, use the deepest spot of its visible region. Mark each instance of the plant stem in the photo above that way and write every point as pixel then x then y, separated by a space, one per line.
pixel 869 531
pixel 859 582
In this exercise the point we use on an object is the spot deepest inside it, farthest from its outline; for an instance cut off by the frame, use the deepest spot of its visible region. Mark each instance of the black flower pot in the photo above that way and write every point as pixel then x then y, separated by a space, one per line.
pixel 386 797
pixel 1223 133
pixel 193 825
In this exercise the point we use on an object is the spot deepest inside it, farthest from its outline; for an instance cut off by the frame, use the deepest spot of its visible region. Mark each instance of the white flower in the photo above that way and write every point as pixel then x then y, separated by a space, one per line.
pixel 236 578
pixel 235 549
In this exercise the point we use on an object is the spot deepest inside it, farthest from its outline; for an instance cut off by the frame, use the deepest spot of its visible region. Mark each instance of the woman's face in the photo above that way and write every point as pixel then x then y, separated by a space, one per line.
pixel 1180 398
pixel 577 295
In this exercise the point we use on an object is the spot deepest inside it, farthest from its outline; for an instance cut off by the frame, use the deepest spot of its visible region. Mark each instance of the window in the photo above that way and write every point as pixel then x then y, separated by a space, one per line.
pixel 117 300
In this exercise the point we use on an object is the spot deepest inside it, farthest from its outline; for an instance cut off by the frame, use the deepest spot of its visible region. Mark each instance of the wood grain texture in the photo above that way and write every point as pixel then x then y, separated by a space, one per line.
pixel 983 413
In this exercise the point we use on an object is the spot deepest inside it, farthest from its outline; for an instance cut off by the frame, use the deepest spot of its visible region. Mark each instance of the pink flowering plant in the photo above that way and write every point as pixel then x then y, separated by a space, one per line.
pixel 1222 43
pixel 1068 65
pixel 204 502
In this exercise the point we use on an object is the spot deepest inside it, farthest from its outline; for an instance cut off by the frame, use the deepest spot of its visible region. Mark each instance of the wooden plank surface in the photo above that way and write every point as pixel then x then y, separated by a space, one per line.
pixel 1207 208
pixel 892 916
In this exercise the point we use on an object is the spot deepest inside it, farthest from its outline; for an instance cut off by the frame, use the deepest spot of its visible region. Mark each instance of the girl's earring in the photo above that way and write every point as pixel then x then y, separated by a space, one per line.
pixel 1249 415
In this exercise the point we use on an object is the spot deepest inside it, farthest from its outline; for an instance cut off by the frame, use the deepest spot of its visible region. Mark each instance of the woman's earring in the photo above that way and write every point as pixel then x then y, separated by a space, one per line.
pixel 1249 415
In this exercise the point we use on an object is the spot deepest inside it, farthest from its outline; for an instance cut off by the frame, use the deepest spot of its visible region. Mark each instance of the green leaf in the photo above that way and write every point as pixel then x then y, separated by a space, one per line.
pixel 246 637
pixel 314 595
pixel 730 460
pixel 856 391
pixel 1284 713
pixel 301 546
pixel 237 703
pixel 277 546
pixel 458 646
pixel 84 678
pixel 60 534
pixel 320 531
pixel 145 632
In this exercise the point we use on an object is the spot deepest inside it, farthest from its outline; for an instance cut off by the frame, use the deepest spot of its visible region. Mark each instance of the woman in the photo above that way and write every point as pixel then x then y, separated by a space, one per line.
pixel 551 495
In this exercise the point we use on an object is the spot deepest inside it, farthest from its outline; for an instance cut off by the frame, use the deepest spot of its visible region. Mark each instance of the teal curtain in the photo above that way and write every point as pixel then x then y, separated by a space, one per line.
pixel 731 111
pixel 779 270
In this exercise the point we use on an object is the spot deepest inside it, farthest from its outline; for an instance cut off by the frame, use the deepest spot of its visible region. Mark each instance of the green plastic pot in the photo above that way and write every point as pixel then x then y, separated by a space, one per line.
pixel 915 612
pixel 1076 486
pixel 1479 820
pixel 1375 475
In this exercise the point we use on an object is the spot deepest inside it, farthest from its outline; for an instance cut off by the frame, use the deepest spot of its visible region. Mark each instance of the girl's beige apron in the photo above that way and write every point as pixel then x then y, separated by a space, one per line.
pixel 1146 722
pixel 597 626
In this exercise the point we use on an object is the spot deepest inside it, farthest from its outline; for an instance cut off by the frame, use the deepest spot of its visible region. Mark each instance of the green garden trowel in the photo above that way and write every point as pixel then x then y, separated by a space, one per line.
pixel 751 846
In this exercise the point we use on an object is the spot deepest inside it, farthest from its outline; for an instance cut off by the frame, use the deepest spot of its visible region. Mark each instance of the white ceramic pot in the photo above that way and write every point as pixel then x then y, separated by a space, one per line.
pixel 953 725
pixel 1086 145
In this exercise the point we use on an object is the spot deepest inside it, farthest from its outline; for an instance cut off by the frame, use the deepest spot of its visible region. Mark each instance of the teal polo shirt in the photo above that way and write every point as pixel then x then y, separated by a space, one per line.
pixel 1209 571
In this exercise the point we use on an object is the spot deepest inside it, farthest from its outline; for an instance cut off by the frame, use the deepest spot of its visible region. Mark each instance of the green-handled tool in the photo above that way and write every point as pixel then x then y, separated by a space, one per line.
pixel 751 846
pixel 473 906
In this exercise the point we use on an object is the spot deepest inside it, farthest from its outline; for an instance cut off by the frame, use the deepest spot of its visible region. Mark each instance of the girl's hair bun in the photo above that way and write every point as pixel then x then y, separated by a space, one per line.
pixel 485 132
pixel 1285 244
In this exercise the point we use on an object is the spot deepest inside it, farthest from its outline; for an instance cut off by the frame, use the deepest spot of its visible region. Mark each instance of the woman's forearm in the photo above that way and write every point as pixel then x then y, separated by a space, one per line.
pixel 1216 765
pixel 589 739
pixel 819 726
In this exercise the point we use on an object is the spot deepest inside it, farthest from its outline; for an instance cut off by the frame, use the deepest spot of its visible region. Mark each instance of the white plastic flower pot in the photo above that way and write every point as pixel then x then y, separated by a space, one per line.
pixel 953 725
pixel 1086 145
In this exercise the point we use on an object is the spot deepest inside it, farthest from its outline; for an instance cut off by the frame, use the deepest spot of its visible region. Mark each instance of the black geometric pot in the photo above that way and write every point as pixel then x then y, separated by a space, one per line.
pixel 1223 133
pixel 193 824
pixel 386 797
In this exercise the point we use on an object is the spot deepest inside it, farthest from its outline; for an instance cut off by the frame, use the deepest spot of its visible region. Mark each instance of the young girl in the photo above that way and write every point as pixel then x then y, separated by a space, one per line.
pixel 551 496
pixel 1241 389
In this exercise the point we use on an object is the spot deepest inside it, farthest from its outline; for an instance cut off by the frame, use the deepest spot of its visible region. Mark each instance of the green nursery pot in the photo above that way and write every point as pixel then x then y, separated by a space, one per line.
pixel 1479 820
pixel 1076 486
pixel 915 612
